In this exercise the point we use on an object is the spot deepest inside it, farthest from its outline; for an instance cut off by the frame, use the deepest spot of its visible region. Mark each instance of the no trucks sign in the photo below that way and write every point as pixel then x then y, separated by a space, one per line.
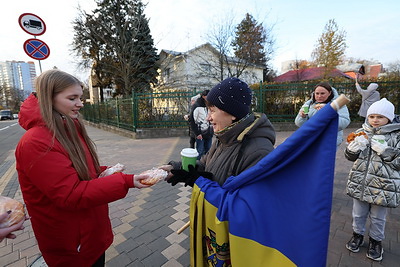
pixel 32 24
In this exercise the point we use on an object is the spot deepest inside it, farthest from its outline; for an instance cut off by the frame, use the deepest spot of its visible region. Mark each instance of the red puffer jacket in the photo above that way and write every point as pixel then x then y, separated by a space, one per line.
pixel 69 216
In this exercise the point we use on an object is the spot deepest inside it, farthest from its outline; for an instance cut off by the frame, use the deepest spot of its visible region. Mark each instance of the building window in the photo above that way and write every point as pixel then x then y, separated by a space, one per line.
pixel 166 73
pixel 205 67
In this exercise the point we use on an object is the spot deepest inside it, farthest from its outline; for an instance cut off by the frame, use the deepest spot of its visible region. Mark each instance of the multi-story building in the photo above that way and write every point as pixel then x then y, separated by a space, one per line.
pixel 16 81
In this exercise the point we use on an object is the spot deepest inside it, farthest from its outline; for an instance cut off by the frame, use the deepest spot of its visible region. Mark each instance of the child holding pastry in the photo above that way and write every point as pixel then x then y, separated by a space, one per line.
pixel 374 179
pixel 58 171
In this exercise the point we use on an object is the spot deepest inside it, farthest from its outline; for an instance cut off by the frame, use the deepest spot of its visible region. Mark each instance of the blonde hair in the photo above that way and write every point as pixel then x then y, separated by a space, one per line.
pixel 64 129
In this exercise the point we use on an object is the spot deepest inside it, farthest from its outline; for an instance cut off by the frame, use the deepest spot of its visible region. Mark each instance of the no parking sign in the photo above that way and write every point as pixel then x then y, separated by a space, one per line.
pixel 36 49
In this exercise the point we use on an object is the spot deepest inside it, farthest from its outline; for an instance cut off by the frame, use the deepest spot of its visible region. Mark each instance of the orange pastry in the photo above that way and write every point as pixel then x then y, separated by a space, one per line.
pixel 353 135
pixel 17 211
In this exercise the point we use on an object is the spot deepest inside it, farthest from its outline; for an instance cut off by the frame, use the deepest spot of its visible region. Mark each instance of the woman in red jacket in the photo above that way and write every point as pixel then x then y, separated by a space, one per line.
pixel 58 171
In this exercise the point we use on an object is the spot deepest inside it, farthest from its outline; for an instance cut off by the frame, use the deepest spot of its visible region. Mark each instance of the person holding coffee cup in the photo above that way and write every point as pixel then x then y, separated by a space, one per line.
pixel 323 94
pixel 242 137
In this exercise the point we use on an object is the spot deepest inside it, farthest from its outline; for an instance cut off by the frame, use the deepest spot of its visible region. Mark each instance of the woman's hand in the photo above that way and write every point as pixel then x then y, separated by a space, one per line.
pixel 167 168
pixel 319 106
pixel 302 114
pixel 7 232
pixel 137 178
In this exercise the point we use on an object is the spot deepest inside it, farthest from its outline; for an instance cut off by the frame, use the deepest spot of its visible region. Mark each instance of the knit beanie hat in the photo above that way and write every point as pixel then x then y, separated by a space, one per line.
pixel 232 96
pixel 382 107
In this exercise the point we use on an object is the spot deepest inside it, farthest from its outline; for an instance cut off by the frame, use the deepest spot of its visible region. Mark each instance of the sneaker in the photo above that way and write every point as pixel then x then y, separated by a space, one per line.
pixel 355 242
pixel 375 250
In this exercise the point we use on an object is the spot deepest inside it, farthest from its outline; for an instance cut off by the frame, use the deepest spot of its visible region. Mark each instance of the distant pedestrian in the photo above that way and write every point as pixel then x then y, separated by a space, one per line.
pixel 368 97
pixel 374 179
pixel 200 126
pixel 58 170
pixel 192 140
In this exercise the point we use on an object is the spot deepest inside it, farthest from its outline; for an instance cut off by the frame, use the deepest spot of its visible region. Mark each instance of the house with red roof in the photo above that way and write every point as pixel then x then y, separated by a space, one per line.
pixel 309 74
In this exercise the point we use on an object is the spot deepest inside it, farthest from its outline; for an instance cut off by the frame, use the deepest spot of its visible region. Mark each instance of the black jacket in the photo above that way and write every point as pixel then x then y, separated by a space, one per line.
pixel 239 148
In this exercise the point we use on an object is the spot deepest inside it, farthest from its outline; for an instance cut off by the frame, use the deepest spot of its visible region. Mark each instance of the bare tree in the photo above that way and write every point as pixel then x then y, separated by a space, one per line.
pixel 393 69
pixel 220 36
pixel 238 47
pixel 10 97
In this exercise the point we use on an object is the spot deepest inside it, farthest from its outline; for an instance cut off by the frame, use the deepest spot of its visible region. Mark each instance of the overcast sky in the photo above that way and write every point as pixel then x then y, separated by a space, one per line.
pixel 373 27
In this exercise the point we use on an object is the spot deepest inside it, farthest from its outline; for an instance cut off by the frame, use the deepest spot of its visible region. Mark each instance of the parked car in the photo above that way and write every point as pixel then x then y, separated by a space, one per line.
pixel 15 115
pixel 6 114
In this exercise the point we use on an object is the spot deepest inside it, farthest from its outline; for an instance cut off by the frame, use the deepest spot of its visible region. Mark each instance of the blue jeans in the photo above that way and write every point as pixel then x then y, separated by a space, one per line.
pixel 203 145
pixel 377 215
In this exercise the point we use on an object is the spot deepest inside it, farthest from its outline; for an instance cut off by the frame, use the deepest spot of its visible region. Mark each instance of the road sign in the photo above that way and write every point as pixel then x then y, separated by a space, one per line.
pixel 36 49
pixel 32 24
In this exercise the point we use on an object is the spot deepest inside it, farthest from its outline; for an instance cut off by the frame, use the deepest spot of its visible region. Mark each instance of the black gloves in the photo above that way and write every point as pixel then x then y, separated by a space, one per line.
pixel 189 178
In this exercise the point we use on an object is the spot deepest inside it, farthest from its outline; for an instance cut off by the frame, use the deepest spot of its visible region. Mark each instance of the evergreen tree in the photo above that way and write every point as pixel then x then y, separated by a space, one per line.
pixel 250 40
pixel 122 46
pixel 89 45
pixel 331 46
pixel 253 43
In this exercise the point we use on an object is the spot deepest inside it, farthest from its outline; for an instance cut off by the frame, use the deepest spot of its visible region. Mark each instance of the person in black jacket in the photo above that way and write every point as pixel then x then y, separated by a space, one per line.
pixel 242 137
pixel 200 126
pixel 192 140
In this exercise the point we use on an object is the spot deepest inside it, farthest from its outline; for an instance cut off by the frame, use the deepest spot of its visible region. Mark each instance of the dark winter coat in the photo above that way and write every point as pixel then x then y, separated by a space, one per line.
pixel 69 216
pixel 239 148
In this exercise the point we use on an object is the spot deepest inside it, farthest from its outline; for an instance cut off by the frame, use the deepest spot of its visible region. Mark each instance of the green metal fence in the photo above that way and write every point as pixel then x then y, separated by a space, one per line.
pixel 281 103
pixel 143 110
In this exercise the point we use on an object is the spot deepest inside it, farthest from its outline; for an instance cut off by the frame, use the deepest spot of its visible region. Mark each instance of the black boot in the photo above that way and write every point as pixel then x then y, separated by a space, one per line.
pixel 355 242
pixel 375 250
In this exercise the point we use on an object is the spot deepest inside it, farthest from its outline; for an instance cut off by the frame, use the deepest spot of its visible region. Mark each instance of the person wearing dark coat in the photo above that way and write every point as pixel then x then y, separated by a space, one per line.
pixel 242 137
pixel 200 126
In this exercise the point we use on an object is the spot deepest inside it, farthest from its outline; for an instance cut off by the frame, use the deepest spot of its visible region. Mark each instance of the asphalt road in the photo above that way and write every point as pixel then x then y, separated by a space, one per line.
pixel 10 133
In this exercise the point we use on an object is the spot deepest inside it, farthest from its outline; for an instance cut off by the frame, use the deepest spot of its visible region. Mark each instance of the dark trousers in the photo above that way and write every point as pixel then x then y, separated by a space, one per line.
pixel 192 141
pixel 101 261
pixel 203 145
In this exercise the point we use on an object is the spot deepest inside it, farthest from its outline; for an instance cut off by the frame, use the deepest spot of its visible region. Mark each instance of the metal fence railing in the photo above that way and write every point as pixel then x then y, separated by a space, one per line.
pixel 280 102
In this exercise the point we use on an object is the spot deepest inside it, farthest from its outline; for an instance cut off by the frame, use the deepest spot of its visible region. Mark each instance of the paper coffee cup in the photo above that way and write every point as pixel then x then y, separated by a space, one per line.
pixel 305 109
pixel 189 157
pixel 379 138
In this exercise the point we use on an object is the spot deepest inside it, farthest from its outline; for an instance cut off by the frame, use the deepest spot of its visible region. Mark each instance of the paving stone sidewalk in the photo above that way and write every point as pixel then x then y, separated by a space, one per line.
pixel 145 221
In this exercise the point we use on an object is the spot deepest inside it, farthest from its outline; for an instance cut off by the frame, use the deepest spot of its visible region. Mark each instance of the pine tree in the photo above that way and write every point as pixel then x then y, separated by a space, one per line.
pixel 254 44
pixel 250 40
pixel 122 44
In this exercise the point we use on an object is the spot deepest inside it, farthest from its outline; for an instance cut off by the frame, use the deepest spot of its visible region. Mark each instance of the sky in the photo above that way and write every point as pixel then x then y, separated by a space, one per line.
pixel 372 27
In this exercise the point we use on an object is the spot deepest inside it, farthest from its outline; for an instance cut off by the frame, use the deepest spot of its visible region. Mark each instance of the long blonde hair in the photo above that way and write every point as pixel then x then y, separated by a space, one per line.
pixel 64 129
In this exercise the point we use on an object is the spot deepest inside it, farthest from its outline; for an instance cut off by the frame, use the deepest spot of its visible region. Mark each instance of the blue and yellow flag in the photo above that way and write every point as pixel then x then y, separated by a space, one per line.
pixel 276 213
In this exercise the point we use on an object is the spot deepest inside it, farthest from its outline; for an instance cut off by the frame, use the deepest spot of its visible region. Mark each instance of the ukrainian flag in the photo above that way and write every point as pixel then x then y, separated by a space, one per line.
pixel 276 213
